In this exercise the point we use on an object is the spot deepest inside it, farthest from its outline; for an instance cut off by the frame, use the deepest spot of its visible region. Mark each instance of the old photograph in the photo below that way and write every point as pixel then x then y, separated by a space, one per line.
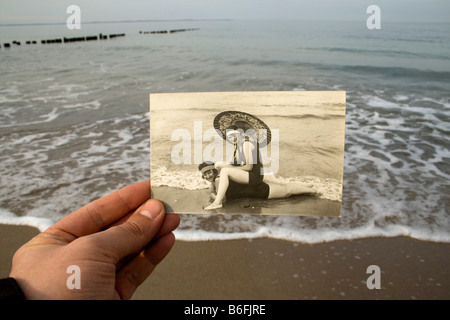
pixel 262 153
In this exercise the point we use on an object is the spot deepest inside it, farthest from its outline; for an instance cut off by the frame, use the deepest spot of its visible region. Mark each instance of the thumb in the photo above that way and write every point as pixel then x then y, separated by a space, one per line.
pixel 130 237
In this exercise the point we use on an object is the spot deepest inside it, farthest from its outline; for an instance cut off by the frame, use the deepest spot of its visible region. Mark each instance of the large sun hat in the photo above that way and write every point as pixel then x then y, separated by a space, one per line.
pixel 232 120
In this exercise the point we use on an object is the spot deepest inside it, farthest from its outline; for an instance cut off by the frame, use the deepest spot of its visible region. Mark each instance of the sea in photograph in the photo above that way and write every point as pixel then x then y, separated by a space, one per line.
pixel 74 120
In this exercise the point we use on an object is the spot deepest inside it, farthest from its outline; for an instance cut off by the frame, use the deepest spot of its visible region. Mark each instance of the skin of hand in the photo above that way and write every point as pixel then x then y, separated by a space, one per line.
pixel 116 241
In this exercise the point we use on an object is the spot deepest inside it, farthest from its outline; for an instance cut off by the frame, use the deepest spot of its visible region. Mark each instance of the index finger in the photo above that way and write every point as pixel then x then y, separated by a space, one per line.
pixel 104 211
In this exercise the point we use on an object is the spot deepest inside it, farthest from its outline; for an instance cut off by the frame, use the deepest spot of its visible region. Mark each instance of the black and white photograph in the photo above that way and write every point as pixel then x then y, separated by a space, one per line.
pixel 263 153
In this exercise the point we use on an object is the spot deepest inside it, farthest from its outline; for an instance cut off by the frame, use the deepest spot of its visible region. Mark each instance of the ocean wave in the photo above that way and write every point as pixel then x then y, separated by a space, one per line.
pixel 410 73
pixel 46 118
pixel 309 116
pixel 256 230
pixel 309 236
pixel 377 52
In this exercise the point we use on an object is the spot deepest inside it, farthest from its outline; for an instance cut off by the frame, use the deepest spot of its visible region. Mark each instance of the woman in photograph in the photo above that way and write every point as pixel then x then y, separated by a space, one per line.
pixel 243 177
pixel 262 190
pixel 245 169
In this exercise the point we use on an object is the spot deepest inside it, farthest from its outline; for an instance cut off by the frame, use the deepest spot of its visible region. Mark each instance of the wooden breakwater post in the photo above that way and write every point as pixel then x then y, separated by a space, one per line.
pixel 75 39
pixel 112 36
pixel 154 32
pixel 66 40
pixel 168 31
pixel 49 41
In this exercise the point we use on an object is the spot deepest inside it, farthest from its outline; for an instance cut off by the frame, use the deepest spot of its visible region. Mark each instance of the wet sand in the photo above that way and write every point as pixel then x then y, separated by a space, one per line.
pixel 189 201
pixel 275 269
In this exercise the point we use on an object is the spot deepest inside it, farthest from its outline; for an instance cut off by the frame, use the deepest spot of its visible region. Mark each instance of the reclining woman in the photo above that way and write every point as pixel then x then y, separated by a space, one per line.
pixel 244 178
pixel 244 169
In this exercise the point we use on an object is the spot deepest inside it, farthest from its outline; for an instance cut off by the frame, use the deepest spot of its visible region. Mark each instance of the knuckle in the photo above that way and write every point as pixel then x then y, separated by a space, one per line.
pixel 95 216
pixel 132 278
pixel 134 228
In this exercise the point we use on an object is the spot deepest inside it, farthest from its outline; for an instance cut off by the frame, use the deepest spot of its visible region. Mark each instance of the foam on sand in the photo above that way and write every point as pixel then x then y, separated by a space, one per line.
pixel 328 189
pixel 7 217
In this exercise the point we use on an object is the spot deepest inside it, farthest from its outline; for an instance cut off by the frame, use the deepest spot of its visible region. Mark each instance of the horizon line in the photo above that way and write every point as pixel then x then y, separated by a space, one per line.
pixel 188 20
pixel 108 21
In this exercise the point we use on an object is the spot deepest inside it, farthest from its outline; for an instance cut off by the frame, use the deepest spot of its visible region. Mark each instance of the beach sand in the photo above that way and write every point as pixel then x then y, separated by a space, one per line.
pixel 180 200
pixel 274 269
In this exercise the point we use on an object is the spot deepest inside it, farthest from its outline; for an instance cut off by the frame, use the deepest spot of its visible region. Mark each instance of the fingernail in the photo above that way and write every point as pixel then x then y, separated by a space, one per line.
pixel 152 210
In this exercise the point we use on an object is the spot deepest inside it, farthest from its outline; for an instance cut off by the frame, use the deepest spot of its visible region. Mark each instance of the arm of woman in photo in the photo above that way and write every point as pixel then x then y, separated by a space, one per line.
pixel 212 190
pixel 248 152
pixel 248 159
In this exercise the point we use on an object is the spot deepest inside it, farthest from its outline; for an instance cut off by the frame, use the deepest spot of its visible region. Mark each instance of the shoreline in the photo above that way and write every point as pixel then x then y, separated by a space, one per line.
pixel 271 269
pixel 181 201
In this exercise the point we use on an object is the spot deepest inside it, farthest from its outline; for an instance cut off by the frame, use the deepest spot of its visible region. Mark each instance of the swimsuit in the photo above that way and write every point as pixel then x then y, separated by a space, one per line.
pixel 256 175
pixel 256 188
pixel 237 190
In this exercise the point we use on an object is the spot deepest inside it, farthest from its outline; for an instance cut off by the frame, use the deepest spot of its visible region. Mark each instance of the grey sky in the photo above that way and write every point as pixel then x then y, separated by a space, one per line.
pixel 32 11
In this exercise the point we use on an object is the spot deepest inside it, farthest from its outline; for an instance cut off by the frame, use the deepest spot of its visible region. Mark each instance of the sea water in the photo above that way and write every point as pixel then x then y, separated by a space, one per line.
pixel 74 120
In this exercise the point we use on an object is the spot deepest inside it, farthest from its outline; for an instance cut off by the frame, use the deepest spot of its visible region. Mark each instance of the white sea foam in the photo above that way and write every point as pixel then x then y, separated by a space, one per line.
pixel 86 105
pixel 375 101
pixel 312 236
pixel 293 234
pixel 401 105
pixel 47 117
pixel 329 189
pixel 7 217
pixel 400 97
pixel 183 179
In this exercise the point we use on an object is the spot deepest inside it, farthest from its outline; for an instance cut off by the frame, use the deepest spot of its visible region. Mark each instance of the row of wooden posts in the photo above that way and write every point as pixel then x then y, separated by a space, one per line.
pixel 66 40
pixel 92 38
pixel 168 31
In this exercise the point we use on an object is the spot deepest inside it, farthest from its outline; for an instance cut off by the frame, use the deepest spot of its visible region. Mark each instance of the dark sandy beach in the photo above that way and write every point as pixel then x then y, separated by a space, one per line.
pixel 274 269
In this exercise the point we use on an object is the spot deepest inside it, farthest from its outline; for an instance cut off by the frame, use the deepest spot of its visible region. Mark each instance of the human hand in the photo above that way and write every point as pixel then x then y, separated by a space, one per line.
pixel 116 242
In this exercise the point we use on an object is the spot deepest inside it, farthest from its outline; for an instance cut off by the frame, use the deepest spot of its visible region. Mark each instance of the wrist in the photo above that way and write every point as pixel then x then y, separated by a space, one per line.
pixel 10 290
